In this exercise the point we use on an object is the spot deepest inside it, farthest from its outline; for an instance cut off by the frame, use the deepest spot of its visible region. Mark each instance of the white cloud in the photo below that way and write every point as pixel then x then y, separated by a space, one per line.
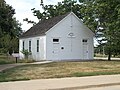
pixel 23 9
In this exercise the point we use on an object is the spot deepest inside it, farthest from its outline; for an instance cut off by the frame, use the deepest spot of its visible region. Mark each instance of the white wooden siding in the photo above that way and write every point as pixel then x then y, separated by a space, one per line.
pixel 35 55
pixel 72 46
pixel 70 32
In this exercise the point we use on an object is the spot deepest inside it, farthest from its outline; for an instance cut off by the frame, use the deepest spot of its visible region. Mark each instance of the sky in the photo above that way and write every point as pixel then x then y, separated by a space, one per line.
pixel 23 10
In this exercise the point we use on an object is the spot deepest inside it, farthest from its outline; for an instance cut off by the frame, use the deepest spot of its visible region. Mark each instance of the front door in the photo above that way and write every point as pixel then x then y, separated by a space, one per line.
pixel 56 51
pixel 85 49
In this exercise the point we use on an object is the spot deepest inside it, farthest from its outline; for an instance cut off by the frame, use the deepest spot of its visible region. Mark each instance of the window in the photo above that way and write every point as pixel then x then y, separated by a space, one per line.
pixel 85 41
pixel 37 45
pixel 29 46
pixel 23 45
pixel 56 40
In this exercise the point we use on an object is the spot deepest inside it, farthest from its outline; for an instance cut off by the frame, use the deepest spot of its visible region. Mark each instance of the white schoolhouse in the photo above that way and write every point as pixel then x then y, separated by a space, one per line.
pixel 63 37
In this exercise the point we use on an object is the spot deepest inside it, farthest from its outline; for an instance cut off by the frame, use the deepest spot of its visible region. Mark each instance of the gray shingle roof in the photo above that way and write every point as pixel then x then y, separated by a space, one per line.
pixel 43 26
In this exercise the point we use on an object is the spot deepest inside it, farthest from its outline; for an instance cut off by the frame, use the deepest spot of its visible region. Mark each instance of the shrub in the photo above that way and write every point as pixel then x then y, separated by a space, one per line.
pixel 26 53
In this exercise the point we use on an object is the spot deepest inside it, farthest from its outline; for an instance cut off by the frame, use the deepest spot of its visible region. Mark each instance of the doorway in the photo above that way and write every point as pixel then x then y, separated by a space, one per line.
pixel 56 49
pixel 85 49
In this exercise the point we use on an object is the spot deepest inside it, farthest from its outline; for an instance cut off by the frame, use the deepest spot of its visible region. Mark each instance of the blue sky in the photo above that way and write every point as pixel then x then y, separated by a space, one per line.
pixel 23 9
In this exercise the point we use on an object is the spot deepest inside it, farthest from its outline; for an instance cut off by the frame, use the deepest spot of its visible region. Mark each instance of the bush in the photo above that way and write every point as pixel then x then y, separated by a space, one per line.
pixel 26 53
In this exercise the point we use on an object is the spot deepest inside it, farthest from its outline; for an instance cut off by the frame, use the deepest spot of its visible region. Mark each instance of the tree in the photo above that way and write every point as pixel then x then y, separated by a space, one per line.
pixel 10 28
pixel 104 17
pixel 50 11
pixel 9 44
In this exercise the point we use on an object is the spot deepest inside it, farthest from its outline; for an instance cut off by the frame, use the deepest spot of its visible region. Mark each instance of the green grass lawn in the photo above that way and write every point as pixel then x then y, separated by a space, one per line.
pixel 60 70
pixel 10 60
pixel 6 59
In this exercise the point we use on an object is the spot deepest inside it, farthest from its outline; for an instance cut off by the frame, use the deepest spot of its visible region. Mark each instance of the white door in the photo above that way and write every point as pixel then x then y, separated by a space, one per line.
pixel 56 50
pixel 85 49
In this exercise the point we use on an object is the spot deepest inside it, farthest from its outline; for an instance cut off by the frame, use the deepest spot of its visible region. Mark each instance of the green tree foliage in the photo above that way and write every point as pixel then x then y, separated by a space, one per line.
pixel 9 44
pixel 104 17
pixel 50 11
pixel 26 53
pixel 9 28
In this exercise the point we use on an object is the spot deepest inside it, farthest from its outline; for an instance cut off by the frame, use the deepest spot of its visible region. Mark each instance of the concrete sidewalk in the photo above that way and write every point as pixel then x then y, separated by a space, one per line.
pixel 74 83
pixel 106 58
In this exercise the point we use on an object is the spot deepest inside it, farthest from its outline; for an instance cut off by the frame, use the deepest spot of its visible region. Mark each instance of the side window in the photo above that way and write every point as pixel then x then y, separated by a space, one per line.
pixel 23 44
pixel 29 46
pixel 37 45
pixel 55 40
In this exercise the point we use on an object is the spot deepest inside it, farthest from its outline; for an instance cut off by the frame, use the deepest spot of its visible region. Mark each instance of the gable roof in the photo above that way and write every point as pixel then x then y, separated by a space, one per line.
pixel 43 26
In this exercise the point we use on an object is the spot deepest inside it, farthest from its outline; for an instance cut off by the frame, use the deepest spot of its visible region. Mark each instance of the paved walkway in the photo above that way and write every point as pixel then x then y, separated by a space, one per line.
pixel 7 66
pixel 74 83
pixel 105 58
pixel 116 87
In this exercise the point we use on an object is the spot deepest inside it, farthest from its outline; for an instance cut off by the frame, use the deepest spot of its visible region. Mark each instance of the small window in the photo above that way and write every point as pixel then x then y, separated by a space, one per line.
pixel 29 46
pixel 56 40
pixel 23 45
pixel 84 40
pixel 37 45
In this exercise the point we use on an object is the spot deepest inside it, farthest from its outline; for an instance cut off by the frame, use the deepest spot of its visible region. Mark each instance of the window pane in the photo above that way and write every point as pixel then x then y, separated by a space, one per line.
pixel 55 40
pixel 23 45
pixel 37 45
pixel 84 40
pixel 29 46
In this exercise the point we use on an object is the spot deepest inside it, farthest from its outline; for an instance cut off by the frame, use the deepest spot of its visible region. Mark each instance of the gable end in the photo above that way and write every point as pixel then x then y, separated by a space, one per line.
pixel 42 27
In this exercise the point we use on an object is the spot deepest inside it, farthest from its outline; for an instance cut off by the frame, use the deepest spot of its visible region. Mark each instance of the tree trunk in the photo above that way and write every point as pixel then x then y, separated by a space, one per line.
pixel 109 55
